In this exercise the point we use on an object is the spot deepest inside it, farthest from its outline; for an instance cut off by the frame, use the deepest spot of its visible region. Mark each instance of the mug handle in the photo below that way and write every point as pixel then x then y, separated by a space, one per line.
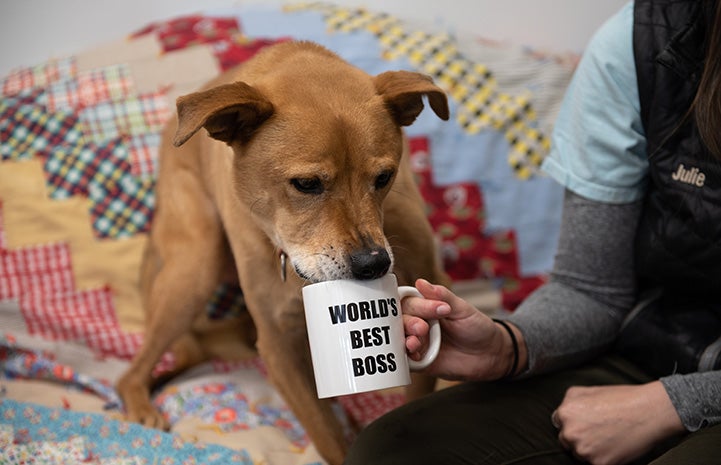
pixel 435 333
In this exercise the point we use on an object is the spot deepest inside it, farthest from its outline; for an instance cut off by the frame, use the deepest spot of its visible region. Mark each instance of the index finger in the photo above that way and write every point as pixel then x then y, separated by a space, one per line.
pixel 427 309
pixel 445 303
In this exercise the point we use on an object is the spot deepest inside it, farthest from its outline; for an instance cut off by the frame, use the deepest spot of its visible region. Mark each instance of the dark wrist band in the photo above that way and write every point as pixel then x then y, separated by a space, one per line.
pixel 514 341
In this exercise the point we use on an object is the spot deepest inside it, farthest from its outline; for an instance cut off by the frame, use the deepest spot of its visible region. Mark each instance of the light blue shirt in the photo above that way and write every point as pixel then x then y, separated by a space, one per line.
pixel 599 148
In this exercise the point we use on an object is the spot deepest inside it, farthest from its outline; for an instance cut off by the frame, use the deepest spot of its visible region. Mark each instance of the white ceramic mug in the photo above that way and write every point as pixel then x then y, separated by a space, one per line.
pixel 356 335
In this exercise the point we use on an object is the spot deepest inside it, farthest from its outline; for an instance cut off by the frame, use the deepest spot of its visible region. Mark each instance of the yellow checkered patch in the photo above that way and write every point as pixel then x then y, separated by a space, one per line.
pixel 472 85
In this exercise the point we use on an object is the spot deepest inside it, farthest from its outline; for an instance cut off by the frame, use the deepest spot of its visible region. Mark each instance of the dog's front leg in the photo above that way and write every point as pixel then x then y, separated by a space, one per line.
pixel 283 346
pixel 177 295
pixel 291 372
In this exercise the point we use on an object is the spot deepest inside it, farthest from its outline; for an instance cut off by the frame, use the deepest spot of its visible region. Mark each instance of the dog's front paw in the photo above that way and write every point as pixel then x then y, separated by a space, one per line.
pixel 148 416
pixel 138 408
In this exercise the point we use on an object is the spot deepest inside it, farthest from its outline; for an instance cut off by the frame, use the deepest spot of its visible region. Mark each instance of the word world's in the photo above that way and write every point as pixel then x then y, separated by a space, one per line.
pixel 363 310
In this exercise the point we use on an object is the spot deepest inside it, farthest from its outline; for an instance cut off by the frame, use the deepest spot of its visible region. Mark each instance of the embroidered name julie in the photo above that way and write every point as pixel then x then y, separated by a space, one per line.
pixel 692 176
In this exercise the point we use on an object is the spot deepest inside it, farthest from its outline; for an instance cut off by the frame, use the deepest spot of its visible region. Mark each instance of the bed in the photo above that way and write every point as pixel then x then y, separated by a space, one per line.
pixel 78 141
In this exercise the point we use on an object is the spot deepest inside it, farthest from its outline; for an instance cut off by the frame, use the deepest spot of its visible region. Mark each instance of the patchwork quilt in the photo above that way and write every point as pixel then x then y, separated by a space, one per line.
pixel 79 138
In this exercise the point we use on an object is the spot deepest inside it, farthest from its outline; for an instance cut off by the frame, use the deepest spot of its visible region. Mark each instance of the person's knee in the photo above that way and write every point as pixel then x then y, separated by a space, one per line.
pixel 379 443
pixel 396 438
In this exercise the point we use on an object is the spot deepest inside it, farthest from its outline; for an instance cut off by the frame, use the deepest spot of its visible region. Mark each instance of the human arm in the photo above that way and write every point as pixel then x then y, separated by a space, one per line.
pixel 573 317
pixel 576 315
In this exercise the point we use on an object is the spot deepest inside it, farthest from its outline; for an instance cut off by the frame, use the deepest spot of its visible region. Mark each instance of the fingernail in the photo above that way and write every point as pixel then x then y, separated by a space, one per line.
pixel 443 310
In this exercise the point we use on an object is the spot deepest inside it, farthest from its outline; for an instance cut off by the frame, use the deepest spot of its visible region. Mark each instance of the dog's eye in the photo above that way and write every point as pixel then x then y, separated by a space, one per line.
pixel 383 179
pixel 308 185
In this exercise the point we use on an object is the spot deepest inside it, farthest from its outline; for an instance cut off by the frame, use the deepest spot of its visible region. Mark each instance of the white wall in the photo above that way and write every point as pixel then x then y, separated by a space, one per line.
pixel 32 31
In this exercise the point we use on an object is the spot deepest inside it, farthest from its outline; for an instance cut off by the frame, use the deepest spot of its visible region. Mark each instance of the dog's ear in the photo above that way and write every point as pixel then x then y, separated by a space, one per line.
pixel 228 112
pixel 403 92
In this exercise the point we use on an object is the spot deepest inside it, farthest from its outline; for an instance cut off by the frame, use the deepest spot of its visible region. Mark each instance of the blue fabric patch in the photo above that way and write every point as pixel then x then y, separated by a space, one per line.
pixel 106 438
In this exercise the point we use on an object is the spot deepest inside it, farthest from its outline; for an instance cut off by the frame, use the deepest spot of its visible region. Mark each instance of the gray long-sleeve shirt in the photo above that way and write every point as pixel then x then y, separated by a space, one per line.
pixel 592 287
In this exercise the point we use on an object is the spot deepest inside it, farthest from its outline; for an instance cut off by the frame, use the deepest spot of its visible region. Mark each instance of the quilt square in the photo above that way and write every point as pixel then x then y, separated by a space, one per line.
pixel 191 30
pixel 143 150
pixel 111 83
pixel 131 117
pixel 38 76
pixel 230 53
pixel 28 130
pixel 29 96
pixel 70 170
pixel 227 301
pixel 122 209
pixel 44 269
pixel 87 316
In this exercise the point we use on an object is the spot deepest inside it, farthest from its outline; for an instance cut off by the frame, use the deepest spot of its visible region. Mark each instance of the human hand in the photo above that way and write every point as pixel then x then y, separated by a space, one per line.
pixel 473 347
pixel 612 425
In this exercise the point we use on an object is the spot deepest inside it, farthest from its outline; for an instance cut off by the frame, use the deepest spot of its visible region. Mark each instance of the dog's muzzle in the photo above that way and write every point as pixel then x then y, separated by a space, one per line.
pixel 370 263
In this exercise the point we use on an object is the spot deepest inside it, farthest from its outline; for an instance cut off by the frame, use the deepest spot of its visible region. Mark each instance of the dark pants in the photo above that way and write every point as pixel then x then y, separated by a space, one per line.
pixel 506 423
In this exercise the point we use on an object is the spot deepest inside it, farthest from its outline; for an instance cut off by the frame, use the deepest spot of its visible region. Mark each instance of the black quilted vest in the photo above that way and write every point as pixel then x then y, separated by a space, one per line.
pixel 678 242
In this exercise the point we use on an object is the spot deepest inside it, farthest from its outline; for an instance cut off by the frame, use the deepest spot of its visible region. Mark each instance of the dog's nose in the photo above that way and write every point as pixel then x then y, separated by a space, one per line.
pixel 370 263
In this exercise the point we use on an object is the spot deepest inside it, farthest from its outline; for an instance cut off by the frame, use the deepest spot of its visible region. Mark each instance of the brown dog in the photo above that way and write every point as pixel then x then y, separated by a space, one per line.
pixel 302 159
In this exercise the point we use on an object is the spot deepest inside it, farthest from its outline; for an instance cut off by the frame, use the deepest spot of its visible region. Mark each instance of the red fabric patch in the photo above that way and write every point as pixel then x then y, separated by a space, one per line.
pixel 456 213
pixel 367 406
pixel 230 53
pixel 223 35
pixel 87 316
pixel 44 269
pixel 191 30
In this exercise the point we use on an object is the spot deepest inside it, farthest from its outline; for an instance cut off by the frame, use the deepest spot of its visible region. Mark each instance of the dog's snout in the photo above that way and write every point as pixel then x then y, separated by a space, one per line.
pixel 370 263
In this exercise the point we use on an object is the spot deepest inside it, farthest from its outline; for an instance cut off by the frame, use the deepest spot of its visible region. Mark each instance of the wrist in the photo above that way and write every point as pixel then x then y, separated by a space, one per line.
pixel 513 354
pixel 668 418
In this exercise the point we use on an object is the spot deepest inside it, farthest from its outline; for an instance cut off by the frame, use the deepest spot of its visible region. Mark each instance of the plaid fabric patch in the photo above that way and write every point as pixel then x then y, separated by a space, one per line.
pixel 480 104
pixel 70 170
pixel 30 96
pixel 123 208
pixel 87 316
pixel 530 146
pixel 90 88
pixel 28 130
pixel 38 76
pixel 130 117
pixel 44 269
pixel 227 302
pixel 144 154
